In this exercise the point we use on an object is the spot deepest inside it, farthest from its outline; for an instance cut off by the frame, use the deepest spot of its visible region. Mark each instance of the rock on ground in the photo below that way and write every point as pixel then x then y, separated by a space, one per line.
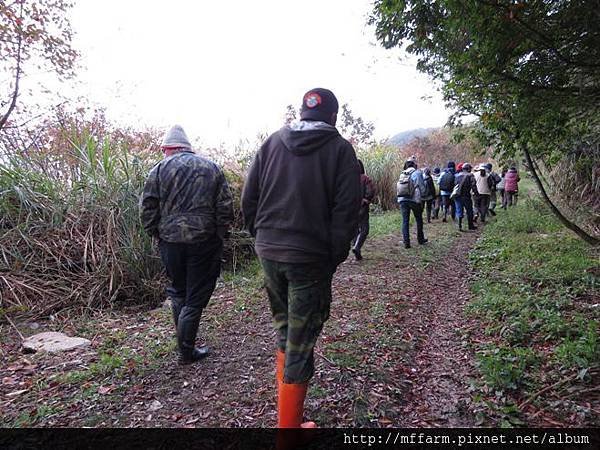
pixel 53 342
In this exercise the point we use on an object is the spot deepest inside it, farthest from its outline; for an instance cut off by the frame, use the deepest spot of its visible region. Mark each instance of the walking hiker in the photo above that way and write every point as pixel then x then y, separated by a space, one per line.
pixel 408 189
pixel 494 179
pixel 511 186
pixel 186 204
pixel 428 195
pixel 437 199
pixel 484 191
pixel 500 187
pixel 301 202
pixel 464 186
pixel 368 192
pixel 446 187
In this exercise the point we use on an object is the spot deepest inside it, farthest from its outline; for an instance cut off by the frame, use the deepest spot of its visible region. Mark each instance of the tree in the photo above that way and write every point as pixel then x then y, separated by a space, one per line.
pixel 445 144
pixel 291 114
pixel 358 131
pixel 529 70
pixel 33 33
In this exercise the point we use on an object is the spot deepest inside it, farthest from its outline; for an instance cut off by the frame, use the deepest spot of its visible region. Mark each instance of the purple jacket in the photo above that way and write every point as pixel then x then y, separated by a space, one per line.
pixel 511 181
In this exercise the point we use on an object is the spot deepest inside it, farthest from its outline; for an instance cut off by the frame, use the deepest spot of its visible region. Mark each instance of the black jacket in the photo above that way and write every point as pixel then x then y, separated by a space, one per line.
pixel 467 184
pixel 302 195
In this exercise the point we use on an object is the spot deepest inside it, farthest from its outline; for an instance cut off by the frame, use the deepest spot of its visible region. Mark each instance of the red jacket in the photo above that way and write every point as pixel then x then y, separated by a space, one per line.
pixel 511 181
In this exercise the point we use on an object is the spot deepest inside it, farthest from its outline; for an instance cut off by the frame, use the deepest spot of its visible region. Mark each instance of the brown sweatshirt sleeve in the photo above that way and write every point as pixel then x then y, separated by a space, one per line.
pixel 346 205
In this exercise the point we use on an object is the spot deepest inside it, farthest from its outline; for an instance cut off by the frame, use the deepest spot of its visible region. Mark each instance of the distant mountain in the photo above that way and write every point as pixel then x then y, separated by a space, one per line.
pixel 407 136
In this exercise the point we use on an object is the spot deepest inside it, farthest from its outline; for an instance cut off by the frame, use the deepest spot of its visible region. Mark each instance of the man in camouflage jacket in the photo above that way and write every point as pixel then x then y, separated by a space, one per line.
pixel 187 206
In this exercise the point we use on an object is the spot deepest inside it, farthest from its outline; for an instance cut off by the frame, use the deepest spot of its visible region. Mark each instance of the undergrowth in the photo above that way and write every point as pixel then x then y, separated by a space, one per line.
pixel 534 290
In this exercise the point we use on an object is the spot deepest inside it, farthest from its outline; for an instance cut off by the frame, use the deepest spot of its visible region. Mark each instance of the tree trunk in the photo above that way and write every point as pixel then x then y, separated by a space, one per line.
pixel 566 222
pixel 15 94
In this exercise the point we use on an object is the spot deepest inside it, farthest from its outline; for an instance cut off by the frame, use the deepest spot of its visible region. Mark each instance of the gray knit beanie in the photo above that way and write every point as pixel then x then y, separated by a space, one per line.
pixel 176 138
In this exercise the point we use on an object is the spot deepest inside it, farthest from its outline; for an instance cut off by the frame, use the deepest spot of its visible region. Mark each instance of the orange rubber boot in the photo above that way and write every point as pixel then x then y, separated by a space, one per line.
pixel 290 399
pixel 291 406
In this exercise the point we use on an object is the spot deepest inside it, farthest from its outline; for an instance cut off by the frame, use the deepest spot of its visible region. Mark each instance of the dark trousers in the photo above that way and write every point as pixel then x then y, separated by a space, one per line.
pixel 193 270
pixel 300 298
pixel 363 231
pixel 448 206
pixel 428 208
pixel 511 198
pixel 462 205
pixel 483 206
pixel 493 200
pixel 476 199
pixel 417 210
pixel 437 201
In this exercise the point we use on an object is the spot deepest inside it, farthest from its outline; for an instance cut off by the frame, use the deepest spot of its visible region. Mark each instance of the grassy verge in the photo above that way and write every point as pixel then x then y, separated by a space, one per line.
pixel 383 224
pixel 536 291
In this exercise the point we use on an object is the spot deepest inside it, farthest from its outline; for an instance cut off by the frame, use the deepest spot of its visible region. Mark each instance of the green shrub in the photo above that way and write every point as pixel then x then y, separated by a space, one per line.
pixel 580 351
pixel 506 367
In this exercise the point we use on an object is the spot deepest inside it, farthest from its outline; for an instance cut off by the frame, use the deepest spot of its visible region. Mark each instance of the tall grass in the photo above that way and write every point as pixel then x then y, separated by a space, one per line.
pixel 383 165
pixel 70 232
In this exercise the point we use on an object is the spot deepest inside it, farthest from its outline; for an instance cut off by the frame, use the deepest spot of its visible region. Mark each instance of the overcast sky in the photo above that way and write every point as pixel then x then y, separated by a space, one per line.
pixel 226 70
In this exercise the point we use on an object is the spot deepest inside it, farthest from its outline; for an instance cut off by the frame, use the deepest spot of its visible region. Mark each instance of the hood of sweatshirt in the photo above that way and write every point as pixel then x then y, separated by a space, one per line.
pixel 304 137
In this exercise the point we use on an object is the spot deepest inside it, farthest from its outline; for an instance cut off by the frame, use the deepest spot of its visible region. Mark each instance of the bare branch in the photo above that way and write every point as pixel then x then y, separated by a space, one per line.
pixel 13 102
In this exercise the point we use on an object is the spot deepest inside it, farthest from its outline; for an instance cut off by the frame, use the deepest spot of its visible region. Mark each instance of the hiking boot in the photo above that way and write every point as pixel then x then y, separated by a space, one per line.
pixel 423 242
pixel 357 254
pixel 195 355
pixel 492 212
pixel 472 227
pixel 407 245
pixel 444 220
pixel 460 227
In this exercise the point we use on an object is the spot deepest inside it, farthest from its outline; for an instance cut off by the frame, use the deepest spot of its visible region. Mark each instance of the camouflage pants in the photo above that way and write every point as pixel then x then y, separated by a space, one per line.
pixel 300 297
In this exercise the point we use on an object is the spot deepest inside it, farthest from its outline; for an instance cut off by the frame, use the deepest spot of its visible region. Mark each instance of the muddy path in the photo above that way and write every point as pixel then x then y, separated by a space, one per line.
pixel 393 353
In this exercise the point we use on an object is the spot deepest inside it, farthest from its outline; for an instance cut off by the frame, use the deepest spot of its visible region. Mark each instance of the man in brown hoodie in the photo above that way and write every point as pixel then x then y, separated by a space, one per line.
pixel 301 202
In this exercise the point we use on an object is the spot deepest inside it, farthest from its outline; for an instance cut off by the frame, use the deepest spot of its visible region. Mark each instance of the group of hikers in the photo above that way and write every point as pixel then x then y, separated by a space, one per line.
pixel 305 201
pixel 456 191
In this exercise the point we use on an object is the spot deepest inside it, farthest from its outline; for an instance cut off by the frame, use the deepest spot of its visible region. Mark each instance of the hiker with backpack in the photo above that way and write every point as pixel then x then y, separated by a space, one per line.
pixel 446 183
pixel 461 194
pixel 437 199
pixel 511 186
pixel 484 192
pixel 500 188
pixel 493 181
pixel 428 196
pixel 368 192
pixel 408 189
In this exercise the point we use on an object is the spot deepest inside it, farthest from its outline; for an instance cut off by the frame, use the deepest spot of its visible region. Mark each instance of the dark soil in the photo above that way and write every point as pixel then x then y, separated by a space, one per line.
pixel 392 354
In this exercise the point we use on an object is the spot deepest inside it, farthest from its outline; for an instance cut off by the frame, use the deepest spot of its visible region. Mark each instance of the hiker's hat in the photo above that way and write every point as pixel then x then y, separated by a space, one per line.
pixel 175 138
pixel 319 104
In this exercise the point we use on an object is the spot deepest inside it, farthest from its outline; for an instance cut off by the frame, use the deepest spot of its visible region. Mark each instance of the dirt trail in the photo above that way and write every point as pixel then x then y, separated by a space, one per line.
pixel 440 390
pixel 390 355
